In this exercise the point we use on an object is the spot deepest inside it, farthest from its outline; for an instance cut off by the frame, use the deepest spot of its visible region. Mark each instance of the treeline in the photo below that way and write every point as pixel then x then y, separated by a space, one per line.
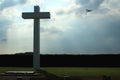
pixel 62 60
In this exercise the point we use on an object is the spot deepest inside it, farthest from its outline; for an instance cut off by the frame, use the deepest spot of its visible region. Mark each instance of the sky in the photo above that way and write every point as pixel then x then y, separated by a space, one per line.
pixel 71 30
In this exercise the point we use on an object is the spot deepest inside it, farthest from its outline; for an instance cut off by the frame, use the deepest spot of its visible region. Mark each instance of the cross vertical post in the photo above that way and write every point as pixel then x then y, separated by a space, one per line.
pixel 36 15
pixel 36 48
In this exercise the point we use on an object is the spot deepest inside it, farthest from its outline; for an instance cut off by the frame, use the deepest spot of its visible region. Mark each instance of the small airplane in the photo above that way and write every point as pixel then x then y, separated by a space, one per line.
pixel 88 10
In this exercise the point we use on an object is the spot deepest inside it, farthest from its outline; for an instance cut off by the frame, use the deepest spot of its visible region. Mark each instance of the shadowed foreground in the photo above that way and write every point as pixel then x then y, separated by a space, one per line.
pixel 42 77
pixel 62 74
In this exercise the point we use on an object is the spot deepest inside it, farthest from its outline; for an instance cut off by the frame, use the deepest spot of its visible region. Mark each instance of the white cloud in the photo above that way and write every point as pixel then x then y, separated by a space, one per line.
pixel 10 3
pixel 20 37
pixel 34 2
pixel 11 13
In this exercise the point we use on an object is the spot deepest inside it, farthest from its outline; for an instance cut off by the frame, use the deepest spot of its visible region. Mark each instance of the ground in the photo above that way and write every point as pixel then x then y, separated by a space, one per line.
pixel 64 73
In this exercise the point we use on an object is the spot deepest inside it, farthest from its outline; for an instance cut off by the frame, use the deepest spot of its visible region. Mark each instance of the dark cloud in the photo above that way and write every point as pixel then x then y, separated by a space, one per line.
pixel 51 30
pixel 9 3
pixel 85 4
pixel 92 4
pixel 22 1
pixel 42 29
pixel 4 25
pixel 54 31
pixel 98 35
pixel 60 12
pixel 89 35
pixel 3 40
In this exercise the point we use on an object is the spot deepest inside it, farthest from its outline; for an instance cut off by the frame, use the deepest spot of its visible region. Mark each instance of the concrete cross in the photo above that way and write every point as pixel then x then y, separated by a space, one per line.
pixel 36 15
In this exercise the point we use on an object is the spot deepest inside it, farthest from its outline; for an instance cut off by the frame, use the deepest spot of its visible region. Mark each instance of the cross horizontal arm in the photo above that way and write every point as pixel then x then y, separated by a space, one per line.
pixel 40 15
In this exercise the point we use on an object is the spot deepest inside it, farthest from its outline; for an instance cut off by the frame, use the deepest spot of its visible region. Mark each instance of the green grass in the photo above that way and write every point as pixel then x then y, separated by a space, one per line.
pixel 70 71
pixel 4 69
pixel 81 71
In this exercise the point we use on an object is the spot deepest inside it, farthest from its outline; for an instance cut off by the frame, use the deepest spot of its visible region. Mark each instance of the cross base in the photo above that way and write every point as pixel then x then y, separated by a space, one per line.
pixel 30 73
pixel 45 73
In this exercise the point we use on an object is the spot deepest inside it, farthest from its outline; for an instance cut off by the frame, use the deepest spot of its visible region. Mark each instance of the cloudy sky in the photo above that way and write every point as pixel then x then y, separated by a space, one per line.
pixel 71 30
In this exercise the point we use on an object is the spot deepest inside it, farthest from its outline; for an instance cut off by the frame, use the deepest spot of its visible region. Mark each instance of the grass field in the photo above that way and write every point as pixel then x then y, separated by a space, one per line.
pixel 70 71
